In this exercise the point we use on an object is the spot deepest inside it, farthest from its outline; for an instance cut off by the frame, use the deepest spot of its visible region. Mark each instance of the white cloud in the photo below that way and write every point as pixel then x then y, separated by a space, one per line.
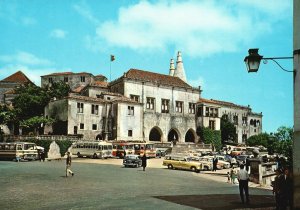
pixel 58 33
pixel 199 28
pixel 26 58
pixel 84 10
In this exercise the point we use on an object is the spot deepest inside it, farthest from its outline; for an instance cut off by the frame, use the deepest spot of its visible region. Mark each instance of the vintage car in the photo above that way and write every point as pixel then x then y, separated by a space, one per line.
pixel 132 161
pixel 221 163
pixel 206 162
pixel 182 162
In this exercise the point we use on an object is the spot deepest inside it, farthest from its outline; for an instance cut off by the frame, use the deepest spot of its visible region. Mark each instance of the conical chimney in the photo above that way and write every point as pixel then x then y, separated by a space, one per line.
pixel 172 67
pixel 179 71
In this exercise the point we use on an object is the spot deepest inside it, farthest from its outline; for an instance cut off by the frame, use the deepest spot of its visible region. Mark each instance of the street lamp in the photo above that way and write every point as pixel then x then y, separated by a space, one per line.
pixel 253 60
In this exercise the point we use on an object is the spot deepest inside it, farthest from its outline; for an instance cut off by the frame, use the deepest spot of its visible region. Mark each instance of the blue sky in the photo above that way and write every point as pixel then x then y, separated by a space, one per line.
pixel 42 37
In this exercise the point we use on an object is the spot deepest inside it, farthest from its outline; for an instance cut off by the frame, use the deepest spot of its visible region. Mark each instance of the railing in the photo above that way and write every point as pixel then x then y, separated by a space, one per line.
pixel 14 138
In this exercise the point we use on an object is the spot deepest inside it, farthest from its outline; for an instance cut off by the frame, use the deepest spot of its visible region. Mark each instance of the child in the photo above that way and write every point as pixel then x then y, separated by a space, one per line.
pixel 233 176
pixel 228 177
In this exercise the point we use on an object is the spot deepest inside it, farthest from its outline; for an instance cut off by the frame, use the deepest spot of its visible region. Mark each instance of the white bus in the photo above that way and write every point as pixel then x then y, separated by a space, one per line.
pixel 92 149
pixel 18 151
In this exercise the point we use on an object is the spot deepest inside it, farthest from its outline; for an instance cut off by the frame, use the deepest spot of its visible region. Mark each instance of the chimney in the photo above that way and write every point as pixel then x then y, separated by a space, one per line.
pixel 172 67
pixel 179 71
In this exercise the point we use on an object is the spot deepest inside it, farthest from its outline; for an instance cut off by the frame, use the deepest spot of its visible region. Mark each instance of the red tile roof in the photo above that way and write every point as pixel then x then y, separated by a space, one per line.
pixel 221 103
pixel 18 77
pixel 99 84
pixel 160 79
pixel 65 73
pixel 78 89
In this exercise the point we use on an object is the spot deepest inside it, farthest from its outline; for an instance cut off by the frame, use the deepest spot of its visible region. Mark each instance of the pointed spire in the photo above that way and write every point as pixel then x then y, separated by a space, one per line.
pixel 172 67
pixel 179 71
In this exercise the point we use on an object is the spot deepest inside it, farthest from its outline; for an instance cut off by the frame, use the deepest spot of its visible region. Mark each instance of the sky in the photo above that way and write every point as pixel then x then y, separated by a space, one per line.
pixel 43 37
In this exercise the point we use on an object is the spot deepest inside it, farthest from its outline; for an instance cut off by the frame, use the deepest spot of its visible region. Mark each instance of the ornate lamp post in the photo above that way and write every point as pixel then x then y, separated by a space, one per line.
pixel 253 60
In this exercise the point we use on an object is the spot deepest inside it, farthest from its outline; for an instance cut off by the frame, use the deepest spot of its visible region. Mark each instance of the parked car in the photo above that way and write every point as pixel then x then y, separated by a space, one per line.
pixel 206 162
pixel 132 161
pixel 182 162
pixel 221 163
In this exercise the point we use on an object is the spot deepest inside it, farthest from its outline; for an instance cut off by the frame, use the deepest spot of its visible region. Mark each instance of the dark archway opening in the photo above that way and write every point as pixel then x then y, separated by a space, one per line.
pixel 173 135
pixel 189 136
pixel 154 135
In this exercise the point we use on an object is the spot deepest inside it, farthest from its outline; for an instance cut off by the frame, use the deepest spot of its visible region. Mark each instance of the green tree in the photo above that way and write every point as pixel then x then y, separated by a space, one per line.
pixel 260 139
pixel 58 90
pixel 284 136
pixel 209 136
pixel 228 130
pixel 36 122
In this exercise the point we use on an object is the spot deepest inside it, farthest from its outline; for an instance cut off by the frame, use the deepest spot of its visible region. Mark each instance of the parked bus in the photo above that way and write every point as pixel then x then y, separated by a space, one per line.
pixel 18 151
pixel 92 149
pixel 120 147
pixel 148 148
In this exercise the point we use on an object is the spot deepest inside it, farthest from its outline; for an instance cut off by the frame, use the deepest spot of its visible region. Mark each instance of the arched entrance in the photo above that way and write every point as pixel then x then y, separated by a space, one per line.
pixel 173 135
pixel 190 136
pixel 155 134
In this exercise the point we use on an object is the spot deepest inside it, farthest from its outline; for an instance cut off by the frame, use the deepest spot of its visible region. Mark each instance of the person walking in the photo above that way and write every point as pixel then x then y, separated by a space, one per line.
pixel 286 190
pixel 215 162
pixel 276 188
pixel 144 161
pixel 243 178
pixel 68 165
pixel 233 162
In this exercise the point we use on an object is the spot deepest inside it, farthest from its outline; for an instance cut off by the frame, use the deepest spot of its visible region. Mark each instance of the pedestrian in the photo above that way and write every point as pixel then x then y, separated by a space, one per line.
pixel 286 190
pixel 124 154
pixel 144 161
pixel 228 177
pixel 232 176
pixel 276 188
pixel 68 165
pixel 247 164
pixel 43 155
pixel 243 178
pixel 233 162
pixel 215 163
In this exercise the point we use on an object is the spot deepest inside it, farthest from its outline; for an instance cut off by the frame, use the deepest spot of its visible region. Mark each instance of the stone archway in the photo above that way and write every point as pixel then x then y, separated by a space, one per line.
pixel 190 136
pixel 155 134
pixel 173 135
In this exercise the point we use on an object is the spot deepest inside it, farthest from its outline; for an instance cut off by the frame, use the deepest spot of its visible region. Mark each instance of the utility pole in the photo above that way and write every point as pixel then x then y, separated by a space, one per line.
pixel 296 138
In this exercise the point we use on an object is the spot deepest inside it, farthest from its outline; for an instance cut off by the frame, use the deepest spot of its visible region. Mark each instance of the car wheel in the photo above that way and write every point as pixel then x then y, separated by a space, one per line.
pixel 94 156
pixel 170 166
pixel 193 169
pixel 78 154
pixel 206 168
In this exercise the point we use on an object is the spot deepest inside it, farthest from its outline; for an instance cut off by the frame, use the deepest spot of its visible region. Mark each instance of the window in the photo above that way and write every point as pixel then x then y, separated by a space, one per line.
pixel 94 126
pixel 79 107
pixel 235 119
pixel 81 126
pixel 191 108
pixel 130 110
pixel 178 106
pixel 95 109
pixel 200 111
pixel 216 112
pixel 212 124
pixel 50 79
pixel 66 79
pixel 244 137
pixel 150 103
pixel 130 133
pixel 82 78
pixel 165 106
pixel 207 111
pixel 244 119
pixel 135 98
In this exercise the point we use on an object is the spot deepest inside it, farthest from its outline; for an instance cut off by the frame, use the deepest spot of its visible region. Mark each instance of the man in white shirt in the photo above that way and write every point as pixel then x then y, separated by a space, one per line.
pixel 243 178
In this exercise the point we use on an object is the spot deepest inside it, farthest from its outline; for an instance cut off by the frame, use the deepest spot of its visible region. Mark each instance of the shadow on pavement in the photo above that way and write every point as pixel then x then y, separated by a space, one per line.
pixel 221 201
